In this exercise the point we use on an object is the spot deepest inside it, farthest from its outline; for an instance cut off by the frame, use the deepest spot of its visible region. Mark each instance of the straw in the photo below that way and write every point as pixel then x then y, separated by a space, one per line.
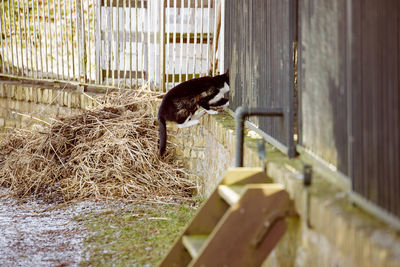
pixel 109 152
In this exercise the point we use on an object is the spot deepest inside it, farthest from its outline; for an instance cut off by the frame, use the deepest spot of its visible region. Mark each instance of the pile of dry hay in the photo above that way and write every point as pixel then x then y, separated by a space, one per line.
pixel 109 152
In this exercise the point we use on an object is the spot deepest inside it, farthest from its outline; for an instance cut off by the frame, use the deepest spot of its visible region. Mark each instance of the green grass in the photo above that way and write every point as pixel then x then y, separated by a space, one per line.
pixel 136 235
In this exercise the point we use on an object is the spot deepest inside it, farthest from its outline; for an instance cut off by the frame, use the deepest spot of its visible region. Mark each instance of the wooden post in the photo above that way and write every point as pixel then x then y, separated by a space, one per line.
pixel 82 55
pixel 98 38
pixel 162 47
pixel 214 59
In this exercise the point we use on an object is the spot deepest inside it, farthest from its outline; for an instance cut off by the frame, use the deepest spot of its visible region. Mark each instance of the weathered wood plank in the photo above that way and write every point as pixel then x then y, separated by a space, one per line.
pixel 322 83
pixel 260 40
pixel 243 238
pixel 375 102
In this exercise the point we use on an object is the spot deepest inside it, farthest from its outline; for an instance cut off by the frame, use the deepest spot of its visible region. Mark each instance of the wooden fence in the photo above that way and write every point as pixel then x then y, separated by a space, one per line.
pixel 349 83
pixel 111 42
pixel 348 77
pixel 259 48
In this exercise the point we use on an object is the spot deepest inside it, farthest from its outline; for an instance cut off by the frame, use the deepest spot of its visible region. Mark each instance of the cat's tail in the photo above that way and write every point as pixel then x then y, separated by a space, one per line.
pixel 162 129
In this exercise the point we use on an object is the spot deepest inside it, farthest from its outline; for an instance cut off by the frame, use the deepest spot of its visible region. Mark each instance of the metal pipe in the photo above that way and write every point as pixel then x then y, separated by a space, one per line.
pixel 241 114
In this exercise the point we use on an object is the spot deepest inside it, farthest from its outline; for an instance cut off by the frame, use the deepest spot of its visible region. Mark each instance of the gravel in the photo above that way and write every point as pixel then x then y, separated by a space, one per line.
pixel 38 234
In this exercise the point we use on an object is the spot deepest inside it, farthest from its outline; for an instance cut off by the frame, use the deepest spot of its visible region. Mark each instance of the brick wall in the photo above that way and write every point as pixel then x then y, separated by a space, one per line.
pixel 26 106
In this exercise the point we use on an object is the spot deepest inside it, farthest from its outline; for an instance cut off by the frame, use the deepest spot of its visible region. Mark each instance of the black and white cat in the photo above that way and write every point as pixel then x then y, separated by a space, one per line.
pixel 181 103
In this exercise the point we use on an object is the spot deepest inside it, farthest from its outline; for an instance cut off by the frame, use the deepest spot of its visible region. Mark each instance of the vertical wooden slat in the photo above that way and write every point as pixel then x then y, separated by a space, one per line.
pixel 27 47
pixel 181 41
pixel 15 45
pixel 40 36
pixel 60 17
pixel 162 46
pixel 67 73
pixel 289 98
pixel 143 40
pixel 112 46
pixel 56 40
pixel 357 81
pixel 117 44
pixel 94 25
pixel 73 53
pixel 174 44
pixel 166 45
pixel 30 40
pixel 136 41
pixel 155 11
pixel 2 59
pixel 147 35
pixel 215 40
pixel 46 60
pixel 50 38
pixel 98 42
pixel 187 39
pixel 107 49
pixel 201 36
pixel 369 80
pixel 382 198
pixel 130 42
pixel 89 51
pixel 209 32
pixel 148 44
pixel 124 39
pixel 195 39
pixel 396 118
pixel 5 39
pixel 11 36
pixel 348 28
pixel 81 38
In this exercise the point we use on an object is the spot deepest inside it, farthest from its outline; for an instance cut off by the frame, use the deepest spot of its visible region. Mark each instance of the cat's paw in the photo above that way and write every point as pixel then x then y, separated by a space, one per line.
pixel 188 124
pixel 225 89
pixel 212 112
pixel 226 104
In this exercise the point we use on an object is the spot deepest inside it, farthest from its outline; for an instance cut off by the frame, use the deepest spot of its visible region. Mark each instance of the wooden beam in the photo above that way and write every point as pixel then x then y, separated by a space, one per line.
pixel 175 78
pixel 192 4
pixel 242 238
pixel 245 175
pixel 120 3
pixel 122 74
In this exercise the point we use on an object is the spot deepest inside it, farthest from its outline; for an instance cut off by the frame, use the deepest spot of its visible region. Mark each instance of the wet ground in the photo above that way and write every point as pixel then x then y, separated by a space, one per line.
pixel 36 234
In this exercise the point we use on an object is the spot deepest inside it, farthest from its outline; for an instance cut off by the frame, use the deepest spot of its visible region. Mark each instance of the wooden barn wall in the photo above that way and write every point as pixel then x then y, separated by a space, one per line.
pixel 259 53
pixel 349 87
pixel 375 80
pixel 322 80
